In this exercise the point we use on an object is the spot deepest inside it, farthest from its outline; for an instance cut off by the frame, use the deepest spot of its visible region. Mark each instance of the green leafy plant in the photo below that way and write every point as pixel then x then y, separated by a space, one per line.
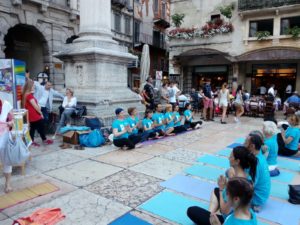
pixel 262 35
pixel 177 19
pixel 294 31
pixel 227 10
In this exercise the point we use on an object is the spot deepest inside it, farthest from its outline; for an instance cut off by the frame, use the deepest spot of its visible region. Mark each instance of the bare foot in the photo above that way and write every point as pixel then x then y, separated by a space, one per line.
pixel 8 189
pixel 138 145
pixel 172 134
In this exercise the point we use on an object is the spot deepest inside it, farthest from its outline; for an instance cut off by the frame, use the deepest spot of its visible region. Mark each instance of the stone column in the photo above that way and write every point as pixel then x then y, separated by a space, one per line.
pixel 95 21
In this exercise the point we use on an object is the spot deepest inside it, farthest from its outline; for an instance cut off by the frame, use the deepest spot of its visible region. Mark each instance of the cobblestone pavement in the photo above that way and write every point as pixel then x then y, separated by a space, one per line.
pixel 98 185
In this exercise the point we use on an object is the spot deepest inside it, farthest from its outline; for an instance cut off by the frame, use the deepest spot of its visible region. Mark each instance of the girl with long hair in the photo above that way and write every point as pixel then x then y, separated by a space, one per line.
pixel 239 104
pixel 223 101
pixel 35 114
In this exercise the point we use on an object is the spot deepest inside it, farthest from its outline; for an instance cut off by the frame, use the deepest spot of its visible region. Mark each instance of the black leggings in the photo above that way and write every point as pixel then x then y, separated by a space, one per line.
pixel 282 150
pixel 201 216
pixel 40 127
pixel 129 142
pixel 189 124
pixel 179 129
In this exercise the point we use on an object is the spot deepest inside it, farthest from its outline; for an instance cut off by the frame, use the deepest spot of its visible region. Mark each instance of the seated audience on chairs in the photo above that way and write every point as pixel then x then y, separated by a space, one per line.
pixel 239 192
pixel 262 184
pixel 194 99
pixel 182 101
pixel 293 100
pixel 189 118
pixel 121 130
pixel 68 108
pixel 242 164
pixel 177 121
pixel 148 125
pixel 270 142
pixel 159 121
pixel 35 113
pixel 288 139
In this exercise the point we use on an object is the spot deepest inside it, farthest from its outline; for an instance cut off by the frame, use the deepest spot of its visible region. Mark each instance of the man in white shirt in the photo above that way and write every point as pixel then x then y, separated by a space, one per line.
pixel 172 93
pixel 44 96
pixel 271 90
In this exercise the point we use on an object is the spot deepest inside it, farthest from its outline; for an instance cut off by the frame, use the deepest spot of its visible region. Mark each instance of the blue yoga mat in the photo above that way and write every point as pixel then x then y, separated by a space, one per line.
pixel 171 206
pixel 225 152
pixel 205 171
pixel 233 145
pixel 280 212
pixel 288 164
pixel 290 157
pixel 190 186
pixel 214 160
pixel 280 190
pixel 240 140
pixel 129 219
pixel 284 176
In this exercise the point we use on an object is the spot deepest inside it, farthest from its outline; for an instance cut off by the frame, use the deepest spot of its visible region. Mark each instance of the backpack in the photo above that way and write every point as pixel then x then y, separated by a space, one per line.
pixel 92 139
pixel 294 193
pixel 93 123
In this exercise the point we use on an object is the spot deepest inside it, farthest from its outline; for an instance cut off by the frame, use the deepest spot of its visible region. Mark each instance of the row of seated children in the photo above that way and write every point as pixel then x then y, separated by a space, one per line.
pixel 242 191
pixel 128 132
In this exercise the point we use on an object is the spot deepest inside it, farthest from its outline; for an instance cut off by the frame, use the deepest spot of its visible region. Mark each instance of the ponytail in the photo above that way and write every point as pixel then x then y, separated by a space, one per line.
pixel 247 160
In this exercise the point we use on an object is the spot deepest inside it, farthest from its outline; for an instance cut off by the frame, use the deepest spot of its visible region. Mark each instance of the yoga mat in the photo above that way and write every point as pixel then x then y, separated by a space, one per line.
pixel 14 198
pixel 290 157
pixel 240 140
pixel 288 164
pixel 129 219
pixel 204 171
pixel 190 186
pixel 171 206
pixel 280 190
pixel 214 160
pixel 280 212
pixel 225 152
pixel 233 145
pixel 284 176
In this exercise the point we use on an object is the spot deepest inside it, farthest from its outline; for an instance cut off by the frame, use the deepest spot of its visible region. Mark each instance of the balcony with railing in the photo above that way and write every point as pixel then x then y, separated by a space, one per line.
pixel 160 16
pixel 246 5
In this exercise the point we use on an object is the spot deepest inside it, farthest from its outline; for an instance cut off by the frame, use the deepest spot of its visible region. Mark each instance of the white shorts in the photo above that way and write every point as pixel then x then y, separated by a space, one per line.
pixel 223 104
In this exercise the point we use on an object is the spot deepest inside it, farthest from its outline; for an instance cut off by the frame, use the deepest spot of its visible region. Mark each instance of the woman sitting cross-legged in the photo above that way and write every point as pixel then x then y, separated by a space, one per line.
pixel 288 139
pixel 68 107
pixel 178 128
pixel 239 192
pixel 271 146
pixel 189 117
pixel 241 161
pixel 148 125
pixel 169 119
pixel 121 130
pixel 159 121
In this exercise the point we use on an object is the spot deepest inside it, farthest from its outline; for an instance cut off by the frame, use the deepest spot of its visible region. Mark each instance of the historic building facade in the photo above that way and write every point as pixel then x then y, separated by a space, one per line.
pixel 254 42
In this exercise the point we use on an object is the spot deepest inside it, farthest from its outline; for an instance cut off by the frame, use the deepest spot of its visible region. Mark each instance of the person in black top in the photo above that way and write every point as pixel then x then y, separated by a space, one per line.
pixel 208 100
pixel 149 93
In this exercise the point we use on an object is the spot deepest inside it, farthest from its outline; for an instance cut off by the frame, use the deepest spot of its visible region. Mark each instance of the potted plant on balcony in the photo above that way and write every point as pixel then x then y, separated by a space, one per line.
pixel 177 19
pixel 294 31
pixel 262 35
pixel 227 10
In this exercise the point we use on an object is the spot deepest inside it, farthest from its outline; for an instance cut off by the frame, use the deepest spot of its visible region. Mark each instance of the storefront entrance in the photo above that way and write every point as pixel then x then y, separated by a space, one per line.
pixel 281 75
pixel 217 74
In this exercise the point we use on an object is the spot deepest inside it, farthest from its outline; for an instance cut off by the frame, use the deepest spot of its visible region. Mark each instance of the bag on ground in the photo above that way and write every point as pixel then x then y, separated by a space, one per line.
pixel 294 194
pixel 93 123
pixel 93 139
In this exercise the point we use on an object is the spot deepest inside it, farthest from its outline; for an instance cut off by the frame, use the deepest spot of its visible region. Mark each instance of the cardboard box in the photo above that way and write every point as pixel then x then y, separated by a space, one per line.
pixel 72 137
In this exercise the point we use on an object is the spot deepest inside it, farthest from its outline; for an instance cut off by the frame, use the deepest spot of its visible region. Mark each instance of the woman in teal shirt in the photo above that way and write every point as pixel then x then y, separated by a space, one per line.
pixel 169 119
pixel 288 140
pixel 121 130
pixel 148 125
pixel 189 117
pixel 178 128
pixel 239 193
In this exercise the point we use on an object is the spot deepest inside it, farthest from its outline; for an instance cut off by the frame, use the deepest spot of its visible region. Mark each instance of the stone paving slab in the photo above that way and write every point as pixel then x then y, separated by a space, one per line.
pixel 182 155
pixel 6 222
pixel 127 187
pixel 155 149
pixel 54 160
pixel 92 152
pixel 84 173
pixel 160 168
pixel 2 217
pixel 123 158
pixel 84 208
pixel 31 181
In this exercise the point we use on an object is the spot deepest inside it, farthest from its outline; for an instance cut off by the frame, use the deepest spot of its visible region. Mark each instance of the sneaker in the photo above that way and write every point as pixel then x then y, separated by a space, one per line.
pixel 34 144
pixel 48 142
pixel 236 119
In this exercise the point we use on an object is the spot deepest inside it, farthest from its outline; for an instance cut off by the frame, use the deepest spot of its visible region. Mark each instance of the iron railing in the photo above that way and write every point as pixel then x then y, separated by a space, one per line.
pixel 244 5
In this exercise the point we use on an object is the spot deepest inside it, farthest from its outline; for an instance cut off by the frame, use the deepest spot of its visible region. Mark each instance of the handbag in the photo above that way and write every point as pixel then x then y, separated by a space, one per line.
pixel 294 194
pixel 17 152
pixel 93 123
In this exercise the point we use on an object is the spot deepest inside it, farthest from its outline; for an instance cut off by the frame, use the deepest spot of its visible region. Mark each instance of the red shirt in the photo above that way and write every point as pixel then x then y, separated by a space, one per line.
pixel 32 113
